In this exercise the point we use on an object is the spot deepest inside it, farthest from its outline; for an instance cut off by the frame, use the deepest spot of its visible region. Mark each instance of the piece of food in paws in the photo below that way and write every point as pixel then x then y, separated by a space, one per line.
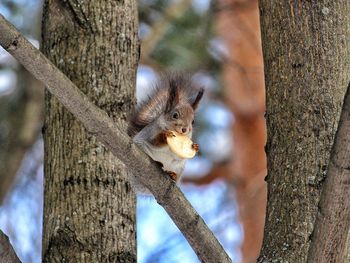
pixel 181 145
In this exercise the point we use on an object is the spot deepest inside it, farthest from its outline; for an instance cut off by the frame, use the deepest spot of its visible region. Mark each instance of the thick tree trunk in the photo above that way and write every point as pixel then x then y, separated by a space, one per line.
pixel 89 207
pixel 346 255
pixel 333 219
pixel 306 52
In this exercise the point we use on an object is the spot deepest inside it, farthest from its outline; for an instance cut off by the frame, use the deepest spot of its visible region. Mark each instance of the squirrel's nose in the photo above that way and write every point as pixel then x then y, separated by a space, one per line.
pixel 184 130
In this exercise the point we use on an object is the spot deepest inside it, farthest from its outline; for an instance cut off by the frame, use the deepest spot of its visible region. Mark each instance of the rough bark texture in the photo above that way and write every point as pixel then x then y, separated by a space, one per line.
pixel 346 255
pixel 96 121
pixel 7 254
pixel 333 218
pixel 89 207
pixel 306 54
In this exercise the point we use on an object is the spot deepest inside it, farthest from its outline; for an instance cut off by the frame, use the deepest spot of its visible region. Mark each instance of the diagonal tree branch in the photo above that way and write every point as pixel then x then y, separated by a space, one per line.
pixel 96 121
pixel 7 254
pixel 333 219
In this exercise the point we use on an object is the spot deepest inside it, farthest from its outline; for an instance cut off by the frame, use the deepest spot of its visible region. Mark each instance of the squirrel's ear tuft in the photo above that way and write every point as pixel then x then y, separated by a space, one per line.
pixel 198 98
pixel 173 96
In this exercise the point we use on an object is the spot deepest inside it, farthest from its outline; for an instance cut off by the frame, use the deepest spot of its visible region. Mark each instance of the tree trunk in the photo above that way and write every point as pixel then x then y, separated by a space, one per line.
pixel 333 218
pixel 238 25
pixel 346 255
pixel 89 207
pixel 306 55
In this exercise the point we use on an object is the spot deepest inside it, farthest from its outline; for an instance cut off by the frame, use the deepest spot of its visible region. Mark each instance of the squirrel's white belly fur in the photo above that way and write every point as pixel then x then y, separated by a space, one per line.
pixel 170 161
pixel 164 155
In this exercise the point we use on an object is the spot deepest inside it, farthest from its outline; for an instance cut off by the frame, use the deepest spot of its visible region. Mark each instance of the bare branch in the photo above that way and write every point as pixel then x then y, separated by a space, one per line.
pixel 333 219
pixel 96 121
pixel 7 253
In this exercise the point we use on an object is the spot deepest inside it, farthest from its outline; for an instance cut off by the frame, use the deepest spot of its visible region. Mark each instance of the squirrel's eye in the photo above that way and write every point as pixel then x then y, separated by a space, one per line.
pixel 192 122
pixel 175 115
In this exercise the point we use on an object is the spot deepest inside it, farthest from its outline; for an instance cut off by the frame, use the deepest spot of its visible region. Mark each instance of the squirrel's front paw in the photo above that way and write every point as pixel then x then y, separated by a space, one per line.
pixel 168 134
pixel 161 138
pixel 172 175
pixel 164 135
pixel 195 147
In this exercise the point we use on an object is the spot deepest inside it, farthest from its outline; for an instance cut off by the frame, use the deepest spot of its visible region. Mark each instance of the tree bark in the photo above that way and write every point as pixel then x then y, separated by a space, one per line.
pixel 7 253
pixel 346 255
pixel 89 207
pixel 306 56
pixel 333 219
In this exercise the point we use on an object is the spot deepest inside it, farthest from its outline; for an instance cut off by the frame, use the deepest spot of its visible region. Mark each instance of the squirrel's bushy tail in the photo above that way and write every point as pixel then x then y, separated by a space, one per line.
pixel 155 104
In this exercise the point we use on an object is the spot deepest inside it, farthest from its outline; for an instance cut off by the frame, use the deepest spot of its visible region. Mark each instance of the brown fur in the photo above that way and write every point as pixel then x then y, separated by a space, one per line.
pixel 160 140
pixel 172 91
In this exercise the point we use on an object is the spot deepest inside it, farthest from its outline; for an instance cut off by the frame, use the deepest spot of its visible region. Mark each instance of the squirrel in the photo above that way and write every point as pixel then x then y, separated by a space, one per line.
pixel 169 107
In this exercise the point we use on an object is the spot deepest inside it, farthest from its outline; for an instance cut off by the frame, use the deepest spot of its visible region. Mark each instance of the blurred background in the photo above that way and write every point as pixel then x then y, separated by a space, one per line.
pixel 216 41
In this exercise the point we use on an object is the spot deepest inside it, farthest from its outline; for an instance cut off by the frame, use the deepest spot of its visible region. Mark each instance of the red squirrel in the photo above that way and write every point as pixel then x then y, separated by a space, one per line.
pixel 169 107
